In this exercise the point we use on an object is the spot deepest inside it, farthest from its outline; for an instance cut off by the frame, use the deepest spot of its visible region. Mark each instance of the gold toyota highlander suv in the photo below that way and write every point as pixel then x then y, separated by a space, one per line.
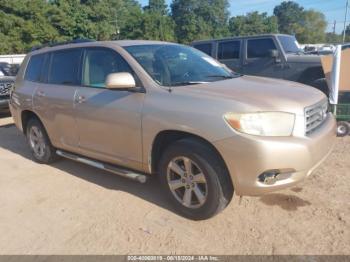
pixel 137 108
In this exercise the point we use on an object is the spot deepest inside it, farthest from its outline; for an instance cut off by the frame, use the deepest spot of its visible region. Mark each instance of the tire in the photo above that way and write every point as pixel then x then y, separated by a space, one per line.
pixel 343 129
pixel 39 143
pixel 208 178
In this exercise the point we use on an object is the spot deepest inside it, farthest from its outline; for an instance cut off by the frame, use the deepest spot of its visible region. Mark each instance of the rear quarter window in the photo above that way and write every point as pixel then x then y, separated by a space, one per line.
pixel 205 48
pixel 34 68
pixel 229 50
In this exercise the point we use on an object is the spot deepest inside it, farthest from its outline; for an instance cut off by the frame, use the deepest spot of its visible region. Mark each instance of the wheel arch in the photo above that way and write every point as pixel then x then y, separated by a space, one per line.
pixel 166 138
pixel 311 74
pixel 26 115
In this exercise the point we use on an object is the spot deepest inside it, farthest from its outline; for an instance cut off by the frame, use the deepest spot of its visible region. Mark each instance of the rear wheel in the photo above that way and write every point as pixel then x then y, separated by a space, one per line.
pixel 343 129
pixel 39 143
pixel 194 179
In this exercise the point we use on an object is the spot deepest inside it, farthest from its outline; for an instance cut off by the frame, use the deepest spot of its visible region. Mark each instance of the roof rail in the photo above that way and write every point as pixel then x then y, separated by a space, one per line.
pixel 52 44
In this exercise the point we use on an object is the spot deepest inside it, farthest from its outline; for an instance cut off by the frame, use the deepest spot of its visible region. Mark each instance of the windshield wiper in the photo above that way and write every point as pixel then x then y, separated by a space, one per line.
pixel 225 77
pixel 187 83
pixel 220 76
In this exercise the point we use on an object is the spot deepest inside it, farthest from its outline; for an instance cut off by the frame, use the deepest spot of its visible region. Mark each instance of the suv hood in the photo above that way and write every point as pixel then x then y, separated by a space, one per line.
pixel 261 94
pixel 293 58
pixel 7 79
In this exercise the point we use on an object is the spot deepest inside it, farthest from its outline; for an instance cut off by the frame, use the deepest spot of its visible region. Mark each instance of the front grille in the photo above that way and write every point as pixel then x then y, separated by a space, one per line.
pixel 5 89
pixel 315 115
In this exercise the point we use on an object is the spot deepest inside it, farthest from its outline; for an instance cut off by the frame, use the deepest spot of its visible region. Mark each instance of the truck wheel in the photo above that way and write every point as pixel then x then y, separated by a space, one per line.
pixel 343 129
pixel 39 143
pixel 194 179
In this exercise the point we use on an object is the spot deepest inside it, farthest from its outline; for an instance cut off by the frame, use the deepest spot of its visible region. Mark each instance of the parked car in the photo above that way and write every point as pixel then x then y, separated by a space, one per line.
pixel 141 108
pixel 346 46
pixel 275 55
pixel 6 84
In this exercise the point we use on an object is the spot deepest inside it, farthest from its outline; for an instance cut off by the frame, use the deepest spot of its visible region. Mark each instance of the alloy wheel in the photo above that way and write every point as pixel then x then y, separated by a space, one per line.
pixel 187 182
pixel 37 141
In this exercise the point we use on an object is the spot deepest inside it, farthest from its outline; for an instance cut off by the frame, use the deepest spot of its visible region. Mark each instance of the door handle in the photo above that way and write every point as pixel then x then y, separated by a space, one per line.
pixel 41 93
pixel 81 99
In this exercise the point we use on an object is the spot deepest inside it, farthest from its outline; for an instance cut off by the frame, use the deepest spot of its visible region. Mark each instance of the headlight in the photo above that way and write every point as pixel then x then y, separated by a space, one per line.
pixel 262 123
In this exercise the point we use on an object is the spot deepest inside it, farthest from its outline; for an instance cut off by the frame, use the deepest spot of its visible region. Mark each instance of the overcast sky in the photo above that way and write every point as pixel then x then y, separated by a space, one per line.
pixel 333 9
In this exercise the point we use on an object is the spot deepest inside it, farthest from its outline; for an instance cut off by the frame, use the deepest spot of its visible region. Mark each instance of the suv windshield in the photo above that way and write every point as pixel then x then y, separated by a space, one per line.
pixel 289 44
pixel 174 65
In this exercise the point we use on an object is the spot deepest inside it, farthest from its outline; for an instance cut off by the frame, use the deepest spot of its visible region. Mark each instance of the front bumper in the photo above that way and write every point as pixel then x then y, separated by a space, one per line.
pixel 247 157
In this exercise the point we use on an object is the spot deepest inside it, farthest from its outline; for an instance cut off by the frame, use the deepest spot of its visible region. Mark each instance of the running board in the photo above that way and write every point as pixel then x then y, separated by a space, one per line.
pixel 110 168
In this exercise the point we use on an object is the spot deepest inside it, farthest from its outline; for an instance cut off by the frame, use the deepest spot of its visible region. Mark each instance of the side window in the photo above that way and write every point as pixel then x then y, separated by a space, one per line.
pixel 260 48
pixel 205 48
pixel 229 50
pixel 99 63
pixel 64 67
pixel 34 68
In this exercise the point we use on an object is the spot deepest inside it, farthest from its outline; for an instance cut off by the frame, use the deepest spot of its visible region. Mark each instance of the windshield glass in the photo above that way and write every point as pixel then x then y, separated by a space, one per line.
pixel 174 65
pixel 289 44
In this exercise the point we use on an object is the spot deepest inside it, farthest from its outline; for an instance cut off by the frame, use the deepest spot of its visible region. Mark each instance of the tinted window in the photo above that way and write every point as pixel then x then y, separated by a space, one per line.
pixel 229 50
pixel 64 67
pixel 260 47
pixel 34 68
pixel 99 63
pixel 205 48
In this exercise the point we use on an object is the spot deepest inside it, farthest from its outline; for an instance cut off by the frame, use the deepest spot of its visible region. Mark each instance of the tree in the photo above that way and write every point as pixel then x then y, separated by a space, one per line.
pixel 347 34
pixel 288 14
pixel 308 26
pixel 24 23
pixel 196 19
pixel 311 28
pixel 157 24
pixel 157 6
pixel 332 38
pixel 252 24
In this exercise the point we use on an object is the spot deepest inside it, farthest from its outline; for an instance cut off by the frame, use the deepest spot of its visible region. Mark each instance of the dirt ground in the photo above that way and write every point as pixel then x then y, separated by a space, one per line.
pixel 69 208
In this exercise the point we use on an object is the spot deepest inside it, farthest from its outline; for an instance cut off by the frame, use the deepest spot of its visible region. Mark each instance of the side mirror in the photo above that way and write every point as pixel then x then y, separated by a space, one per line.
pixel 120 81
pixel 273 53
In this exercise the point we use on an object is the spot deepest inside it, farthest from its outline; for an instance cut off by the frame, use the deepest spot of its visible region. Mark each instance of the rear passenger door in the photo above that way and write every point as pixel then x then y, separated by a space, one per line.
pixel 54 98
pixel 229 53
pixel 109 121
pixel 258 60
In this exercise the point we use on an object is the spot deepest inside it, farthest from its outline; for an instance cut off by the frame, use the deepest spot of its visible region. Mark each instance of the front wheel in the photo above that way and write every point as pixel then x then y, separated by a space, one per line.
pixel 343 129
pixel 195 180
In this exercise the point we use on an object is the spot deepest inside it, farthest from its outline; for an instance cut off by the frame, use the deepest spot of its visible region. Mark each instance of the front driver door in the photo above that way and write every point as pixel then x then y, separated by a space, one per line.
pixel 108 121
pixel 258 60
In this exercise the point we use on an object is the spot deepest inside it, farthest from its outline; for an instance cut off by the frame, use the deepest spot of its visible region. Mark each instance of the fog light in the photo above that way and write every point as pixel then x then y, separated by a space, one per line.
pixel 269 177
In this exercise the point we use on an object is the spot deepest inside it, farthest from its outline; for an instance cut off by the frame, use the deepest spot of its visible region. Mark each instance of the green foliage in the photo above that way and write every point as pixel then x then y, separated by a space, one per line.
pixel 308 26
pixel 196 19
pixel 27 23
pixel 24 23
pixel 157 24
pixel 333 38
pixel 253 24
pixel 311 28
pixel 288 14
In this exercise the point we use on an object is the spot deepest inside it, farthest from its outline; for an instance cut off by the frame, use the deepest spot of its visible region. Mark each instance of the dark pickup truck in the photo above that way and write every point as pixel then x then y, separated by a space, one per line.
pixel 6 83
pixel 275 55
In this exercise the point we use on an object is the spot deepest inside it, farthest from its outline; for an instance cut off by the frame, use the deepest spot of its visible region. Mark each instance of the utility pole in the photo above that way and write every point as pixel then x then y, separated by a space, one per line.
pixel 346 17
pixel 334 27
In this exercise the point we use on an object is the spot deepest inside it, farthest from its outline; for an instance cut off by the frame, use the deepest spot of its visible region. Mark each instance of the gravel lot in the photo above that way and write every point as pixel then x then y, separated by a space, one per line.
pixel 69 208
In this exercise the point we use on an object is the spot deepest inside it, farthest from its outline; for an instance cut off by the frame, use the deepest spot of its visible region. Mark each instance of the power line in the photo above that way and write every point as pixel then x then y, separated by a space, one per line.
pixel 346 16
